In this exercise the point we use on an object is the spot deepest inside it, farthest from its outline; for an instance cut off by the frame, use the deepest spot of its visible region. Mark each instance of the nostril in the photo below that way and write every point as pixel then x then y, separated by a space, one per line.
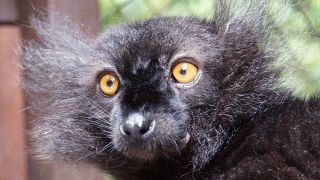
pixel 132 130
pixel 124 131
pixel 148 128
pixel 143 130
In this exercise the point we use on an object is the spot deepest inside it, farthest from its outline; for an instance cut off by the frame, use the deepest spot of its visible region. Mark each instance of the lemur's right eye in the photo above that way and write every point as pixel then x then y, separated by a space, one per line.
pixel 185 72
pixel 109 84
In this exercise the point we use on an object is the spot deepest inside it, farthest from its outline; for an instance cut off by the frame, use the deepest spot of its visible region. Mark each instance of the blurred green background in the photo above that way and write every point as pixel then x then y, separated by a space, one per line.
pixel 116 11
pixel 299 59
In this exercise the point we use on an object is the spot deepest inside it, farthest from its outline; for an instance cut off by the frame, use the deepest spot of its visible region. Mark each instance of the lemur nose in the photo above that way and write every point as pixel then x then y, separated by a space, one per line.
pixel 137 127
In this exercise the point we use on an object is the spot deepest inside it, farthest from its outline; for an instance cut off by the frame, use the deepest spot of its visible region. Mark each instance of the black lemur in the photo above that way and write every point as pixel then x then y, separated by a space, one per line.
pixel 170 98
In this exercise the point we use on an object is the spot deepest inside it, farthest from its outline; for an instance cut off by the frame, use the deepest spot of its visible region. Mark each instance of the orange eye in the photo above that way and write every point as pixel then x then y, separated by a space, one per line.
pixel 185 72
pixel 109 84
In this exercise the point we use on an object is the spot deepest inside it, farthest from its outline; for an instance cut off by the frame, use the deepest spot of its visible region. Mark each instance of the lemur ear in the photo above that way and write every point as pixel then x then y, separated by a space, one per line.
pixel 240 30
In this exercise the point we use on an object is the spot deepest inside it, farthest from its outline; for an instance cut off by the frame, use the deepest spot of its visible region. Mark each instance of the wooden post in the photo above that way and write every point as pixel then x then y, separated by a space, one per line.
pixel 12 146
pixel 12 125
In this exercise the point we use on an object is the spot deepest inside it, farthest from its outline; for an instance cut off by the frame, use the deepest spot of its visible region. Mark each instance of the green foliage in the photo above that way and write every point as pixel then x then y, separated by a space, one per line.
pixel 299 60
pixel 116 11
pixel 109 177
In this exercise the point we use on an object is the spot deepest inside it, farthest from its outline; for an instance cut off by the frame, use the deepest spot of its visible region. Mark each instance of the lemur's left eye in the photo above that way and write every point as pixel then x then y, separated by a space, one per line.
pixel 184 72
pixel 109 84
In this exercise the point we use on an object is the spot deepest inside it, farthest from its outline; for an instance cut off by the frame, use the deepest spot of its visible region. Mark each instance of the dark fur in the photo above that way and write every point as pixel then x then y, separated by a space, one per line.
pixel 241 125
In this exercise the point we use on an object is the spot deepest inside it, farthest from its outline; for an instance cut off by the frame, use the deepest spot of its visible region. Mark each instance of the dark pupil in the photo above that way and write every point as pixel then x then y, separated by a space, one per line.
pixel 109 83
pixel 183 72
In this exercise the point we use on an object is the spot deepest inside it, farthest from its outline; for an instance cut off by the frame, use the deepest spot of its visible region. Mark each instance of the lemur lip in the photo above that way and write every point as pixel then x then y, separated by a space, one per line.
pixel 149 154
pixel 186 139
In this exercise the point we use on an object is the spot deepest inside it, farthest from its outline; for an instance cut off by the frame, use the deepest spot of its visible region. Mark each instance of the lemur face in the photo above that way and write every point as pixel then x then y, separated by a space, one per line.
pixel 156 74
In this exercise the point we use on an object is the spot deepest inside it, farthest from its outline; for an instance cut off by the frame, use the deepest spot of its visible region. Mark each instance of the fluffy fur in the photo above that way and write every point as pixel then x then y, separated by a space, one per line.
pixel 241 125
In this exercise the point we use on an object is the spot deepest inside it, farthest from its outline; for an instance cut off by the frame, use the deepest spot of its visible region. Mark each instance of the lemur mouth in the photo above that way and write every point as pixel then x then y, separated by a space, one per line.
pixel 146 153
pixel 184 141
